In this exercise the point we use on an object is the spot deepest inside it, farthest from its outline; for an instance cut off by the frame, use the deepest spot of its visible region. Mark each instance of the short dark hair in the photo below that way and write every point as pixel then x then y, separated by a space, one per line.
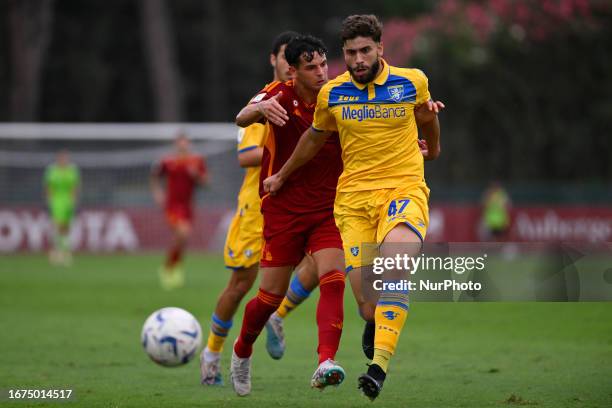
pixel 283 38
pixel 361 25
pixel 303 44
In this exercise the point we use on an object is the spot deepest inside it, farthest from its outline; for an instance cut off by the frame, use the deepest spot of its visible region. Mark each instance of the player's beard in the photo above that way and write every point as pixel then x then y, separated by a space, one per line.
pixel 369 76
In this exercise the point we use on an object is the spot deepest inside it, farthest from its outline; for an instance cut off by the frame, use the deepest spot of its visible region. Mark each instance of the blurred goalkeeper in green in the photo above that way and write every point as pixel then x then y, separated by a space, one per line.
pixel 62 181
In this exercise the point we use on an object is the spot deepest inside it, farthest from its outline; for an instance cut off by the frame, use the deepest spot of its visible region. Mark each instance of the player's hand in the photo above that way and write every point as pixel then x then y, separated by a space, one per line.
pixel 426 112
pixel 423 147
pixel 273 111
pixel 273 183
pixel 159 198
pixel 193 171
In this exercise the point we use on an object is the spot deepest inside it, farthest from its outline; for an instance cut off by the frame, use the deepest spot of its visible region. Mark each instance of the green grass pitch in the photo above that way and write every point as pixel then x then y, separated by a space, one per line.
pixel 79 328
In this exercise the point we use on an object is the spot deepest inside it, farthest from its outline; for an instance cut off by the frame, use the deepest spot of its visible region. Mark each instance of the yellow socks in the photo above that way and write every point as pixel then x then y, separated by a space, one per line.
pixel 215 342
pixel 285 307
pixel 218 334
pixel 389 318
pixel 296 294
pixel 381 358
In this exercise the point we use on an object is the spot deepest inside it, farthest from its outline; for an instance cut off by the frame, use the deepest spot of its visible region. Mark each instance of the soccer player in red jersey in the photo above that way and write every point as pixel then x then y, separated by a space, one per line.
pixel 244 242
pixel 299 219
pixel 182 171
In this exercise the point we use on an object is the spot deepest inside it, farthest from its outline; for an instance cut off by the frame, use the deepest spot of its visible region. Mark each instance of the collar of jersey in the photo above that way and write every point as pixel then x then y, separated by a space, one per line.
pixel 379 80
pixel 291 83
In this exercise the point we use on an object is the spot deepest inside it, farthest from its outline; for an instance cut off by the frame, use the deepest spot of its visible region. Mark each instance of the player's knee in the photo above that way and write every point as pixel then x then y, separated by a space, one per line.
pixel 308 264
pixel 308 278
pixel 401 240
pixel 401 233
pixel 243 287
pixel 236 292
pixel 182 232
pixel 241 283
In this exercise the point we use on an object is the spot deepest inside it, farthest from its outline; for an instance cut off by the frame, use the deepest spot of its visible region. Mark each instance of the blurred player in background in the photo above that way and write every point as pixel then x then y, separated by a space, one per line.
pixel 243 245
pixel 382 198
pixel 182 170
pixel 496 212
pixel 62 184
pixel 300 218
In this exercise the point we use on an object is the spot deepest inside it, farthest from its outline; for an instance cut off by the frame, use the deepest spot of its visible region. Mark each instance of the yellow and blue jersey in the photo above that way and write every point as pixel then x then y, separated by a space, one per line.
pixel 250 138
pixel 243 241
pixel 377 127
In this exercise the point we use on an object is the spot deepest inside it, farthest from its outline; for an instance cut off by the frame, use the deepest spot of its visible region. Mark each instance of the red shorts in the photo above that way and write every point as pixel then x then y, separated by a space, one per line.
pixel 179 214
pixel 288 237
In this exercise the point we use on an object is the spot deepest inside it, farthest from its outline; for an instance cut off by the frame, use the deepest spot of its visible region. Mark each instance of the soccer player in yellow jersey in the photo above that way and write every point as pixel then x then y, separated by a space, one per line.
pixel 379 111
pixel 243 245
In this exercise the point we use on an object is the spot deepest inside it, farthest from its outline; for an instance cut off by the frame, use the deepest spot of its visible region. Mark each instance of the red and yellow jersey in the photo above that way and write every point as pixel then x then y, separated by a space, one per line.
pixel 250 138
pixel 377 128
pixel 313 186
pixel 181 173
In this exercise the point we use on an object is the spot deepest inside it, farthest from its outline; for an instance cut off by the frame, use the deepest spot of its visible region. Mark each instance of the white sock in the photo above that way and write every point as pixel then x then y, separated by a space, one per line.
pixel 211 355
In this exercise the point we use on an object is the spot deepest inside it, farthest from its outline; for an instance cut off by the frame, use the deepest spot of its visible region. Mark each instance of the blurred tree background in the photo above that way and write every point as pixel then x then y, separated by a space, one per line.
pixel 527 83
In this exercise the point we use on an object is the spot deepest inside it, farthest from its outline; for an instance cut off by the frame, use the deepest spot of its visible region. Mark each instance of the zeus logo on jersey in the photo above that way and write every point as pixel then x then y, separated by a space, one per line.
pixel 376 112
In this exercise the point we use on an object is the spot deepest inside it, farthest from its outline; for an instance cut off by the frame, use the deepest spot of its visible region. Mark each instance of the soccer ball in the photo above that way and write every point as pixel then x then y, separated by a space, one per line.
pixel 171 336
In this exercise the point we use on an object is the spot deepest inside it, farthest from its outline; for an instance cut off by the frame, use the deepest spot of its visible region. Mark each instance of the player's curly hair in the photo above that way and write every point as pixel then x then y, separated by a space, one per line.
pixel 305 45
pixel 361 25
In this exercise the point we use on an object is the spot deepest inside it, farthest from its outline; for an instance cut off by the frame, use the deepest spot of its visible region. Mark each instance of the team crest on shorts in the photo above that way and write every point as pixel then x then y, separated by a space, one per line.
pixel 396 92
pixel 355 250
pixel 248 253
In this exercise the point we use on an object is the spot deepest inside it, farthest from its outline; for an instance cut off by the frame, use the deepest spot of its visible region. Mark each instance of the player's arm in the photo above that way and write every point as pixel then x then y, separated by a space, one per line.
pixel 156 187
pixel 203 179
pixel 269 109
pixel 426 116
pixel 201 173
pixel 251 157
pixel 307 147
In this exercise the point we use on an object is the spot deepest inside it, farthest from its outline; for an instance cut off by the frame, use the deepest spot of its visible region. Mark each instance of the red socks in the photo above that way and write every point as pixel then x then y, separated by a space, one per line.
pixel 256 314
pixel 330 316
pixel 330 313
pixel 174 256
